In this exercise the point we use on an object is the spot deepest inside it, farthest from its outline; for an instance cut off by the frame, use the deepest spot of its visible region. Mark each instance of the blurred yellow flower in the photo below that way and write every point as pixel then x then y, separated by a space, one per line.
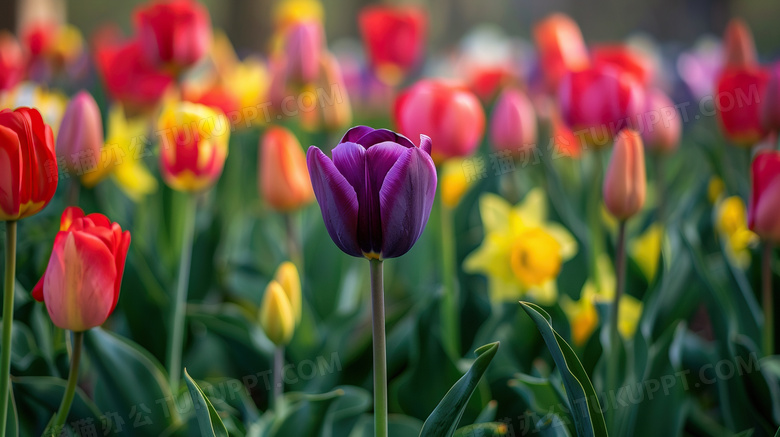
pixel 122 156
pixel 287 276
pixel 522 253
pixel 646 250
pixel 715 189
pixel 292 11
pixel 68 45
pixel 583 315
pixel 731 225
pixel 51 104
pixel 276 315
pixel 454 183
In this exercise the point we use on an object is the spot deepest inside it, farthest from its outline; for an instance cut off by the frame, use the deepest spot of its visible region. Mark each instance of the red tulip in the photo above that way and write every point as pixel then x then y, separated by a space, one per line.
pixel 28 166
pixel 598 102
pixel 738 104
pixel 625 183
pixel 662 123
pixel 513 125
pixel 738 46
pixel 12 61
pixel 176 34
pixel 81 284
pixel 765 196
pixel 561 48
pixel 770 102
pixel 81 133
pixel 128 77
pixel 394 38
pixel 284 178
pixel 447 112
pixel 626 59
pixel 39 36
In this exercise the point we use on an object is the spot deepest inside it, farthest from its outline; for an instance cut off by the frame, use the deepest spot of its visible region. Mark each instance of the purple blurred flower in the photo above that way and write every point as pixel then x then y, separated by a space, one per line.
pixel 377 192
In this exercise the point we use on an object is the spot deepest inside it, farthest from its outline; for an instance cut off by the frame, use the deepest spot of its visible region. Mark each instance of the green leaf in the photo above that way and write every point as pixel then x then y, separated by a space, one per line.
pixel 444 420
pixel 586 412
pixel 302 414
pixel 490 429
pixel 208 418
pixel 40 396
pixel 130 382
pixel 552 426
pixel 537 392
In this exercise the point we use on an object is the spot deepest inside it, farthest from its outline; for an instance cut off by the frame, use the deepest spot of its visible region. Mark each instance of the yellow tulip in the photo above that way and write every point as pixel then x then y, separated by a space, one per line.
pixel 287 276
pixel 276 315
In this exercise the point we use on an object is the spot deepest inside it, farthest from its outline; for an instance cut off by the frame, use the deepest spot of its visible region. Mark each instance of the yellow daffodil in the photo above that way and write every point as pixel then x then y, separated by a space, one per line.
pixel 122 156
pixel 731 225
pixel 522 253
pixel 454 183
pixel 582 314
pixel 646 250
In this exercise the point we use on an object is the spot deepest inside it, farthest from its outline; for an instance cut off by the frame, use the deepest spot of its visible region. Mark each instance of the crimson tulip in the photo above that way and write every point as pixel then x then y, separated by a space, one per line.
pixel 81 284
pixel 28 166
pixel 600 101
pixel 446 111
pixel 765 196
pixel 394 38
pixel 770 102
pixel 626 59
pixel 176 34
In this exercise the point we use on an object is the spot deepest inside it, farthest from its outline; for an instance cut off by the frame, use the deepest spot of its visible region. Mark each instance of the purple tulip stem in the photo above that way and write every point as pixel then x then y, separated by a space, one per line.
pixel 380 352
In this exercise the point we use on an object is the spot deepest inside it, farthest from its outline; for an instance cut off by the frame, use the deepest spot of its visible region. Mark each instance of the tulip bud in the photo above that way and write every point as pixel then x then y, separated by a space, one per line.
pixel 195 146
pixel 303 50
pixel 765 196
pixel 12 61
pixel 377 192
pixel 739 50
pixel 284 179
pixel 80 137
pixel 287 276
pixel 770 103
pixel 276 315
pixel 27 164
pixel 561 48
pixel 82 281
pixel 449 113
pixel 625 183
pixel 394 38
pixel 176 33
pixel 513 125
pixel 662 123
pixel 598 102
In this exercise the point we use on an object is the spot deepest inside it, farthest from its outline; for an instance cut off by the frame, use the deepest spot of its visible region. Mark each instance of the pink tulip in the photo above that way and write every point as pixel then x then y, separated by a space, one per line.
pixel 513 125
pixel 81 133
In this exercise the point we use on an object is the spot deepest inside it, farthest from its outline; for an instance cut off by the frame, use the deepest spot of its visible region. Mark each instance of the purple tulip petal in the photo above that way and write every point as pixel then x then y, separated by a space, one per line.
pixel 350 160
pixel 355 134
pixel 426 143
pixel 338 201
pixel 381 136
pixel 381 158
pixel 406 199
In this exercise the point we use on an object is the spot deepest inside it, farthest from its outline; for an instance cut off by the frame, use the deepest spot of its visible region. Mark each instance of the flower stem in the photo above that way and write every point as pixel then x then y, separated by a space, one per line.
pixel 70 389
pixel 278 380
pixel 450 301
pixel 180 304
pixel 613 365
pixel 8 321
pixel 766 287
pixel 380 358
pixel 293 249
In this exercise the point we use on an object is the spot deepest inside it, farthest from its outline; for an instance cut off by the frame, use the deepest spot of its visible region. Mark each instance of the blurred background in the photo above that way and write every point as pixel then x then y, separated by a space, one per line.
pixel 248 23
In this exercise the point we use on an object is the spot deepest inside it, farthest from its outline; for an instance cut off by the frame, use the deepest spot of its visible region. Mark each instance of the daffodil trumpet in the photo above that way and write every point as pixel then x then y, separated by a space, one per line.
pixel 70 388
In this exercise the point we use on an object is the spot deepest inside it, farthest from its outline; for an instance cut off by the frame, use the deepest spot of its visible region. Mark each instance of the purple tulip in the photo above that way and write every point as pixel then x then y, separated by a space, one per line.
pixel 377 192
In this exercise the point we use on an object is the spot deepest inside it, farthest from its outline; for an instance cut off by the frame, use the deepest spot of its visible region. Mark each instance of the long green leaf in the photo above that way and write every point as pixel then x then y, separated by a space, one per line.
pixel 208 418
pixel 444 419
pixel 584 402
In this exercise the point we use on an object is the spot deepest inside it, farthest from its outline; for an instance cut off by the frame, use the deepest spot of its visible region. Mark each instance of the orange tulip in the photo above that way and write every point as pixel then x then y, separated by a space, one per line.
pixel 284 177
pixel 81 284
pixel 561 48
pixel 28 166
pixel 625 183
pixel 738 46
